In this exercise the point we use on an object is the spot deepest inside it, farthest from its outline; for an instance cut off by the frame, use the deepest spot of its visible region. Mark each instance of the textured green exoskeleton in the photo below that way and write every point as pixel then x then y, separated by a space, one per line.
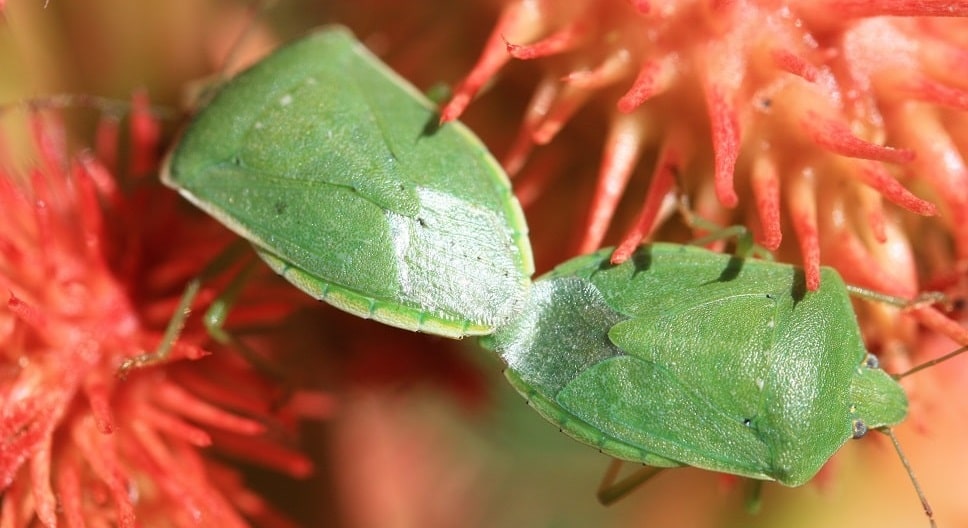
pixel 681 356
pixel 331 165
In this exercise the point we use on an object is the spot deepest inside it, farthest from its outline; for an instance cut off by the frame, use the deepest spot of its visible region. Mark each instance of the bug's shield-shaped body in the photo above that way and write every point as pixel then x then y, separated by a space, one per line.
pixel 332 166
pixel 681 356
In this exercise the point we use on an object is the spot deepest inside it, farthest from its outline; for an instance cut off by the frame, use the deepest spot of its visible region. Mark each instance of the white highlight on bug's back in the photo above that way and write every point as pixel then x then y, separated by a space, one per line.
pixel 443 275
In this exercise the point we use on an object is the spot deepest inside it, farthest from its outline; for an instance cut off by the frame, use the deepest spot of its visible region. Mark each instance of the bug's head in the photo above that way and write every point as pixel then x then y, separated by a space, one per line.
pixel 877 399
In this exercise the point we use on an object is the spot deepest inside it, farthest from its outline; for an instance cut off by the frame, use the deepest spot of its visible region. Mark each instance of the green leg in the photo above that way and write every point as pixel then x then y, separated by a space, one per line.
pixel 745 246
pixel 754 496
pixel 611 489
pixel 175 326
pixel 923 299
pixel 218 311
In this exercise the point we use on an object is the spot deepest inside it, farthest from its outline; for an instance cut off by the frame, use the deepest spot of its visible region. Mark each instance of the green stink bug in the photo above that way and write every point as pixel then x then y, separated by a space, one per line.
pixel 331 165
pixel 681 356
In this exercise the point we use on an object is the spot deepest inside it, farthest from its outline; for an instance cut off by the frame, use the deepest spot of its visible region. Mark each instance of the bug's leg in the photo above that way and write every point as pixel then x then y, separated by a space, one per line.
pixel 218 311
pixel 914 480
pixel 745 245
pixel 923 299
pixel 222 262
pixel 754 496
pixel 923 310
pixel 609 491
pixel 439 94
pixel 172 331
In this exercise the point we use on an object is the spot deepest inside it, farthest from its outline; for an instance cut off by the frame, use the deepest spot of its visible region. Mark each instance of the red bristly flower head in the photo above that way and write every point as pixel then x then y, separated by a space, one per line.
pixel 810 112
pixel 91 274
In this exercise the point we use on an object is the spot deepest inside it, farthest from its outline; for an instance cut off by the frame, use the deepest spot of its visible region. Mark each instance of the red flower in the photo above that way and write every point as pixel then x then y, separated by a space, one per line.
pixel 93 268
pixel 819 106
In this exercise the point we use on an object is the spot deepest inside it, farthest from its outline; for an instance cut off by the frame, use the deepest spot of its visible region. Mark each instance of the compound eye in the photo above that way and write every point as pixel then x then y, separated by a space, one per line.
pixel 871 361
pixel 860 429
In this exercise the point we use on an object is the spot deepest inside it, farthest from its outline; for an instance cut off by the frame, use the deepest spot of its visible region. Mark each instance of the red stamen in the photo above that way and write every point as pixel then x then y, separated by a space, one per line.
pixel 50 140
pixel 933 91
pixel 101 455
pixel 654 78
pixel 173 427
pixel 544 96
pixel 145 134
pixel 532 185
pixel 42 220
pixel 69 493
pixel 106 140
pixel 877 178
pixel 519 152
pixel 872 204
pixel 788 61
pixel 569 101
pixel 103 180
pixel 13 256
pixel 175 398
pixel 250 315
pixel 724 120
pixel 642 6
pixel 219 388
pixel 27 313
pixel 953 282
pixel 196 499
pixel 70 313
pixel 185 350
pixel 21 432
pixel 270 455
pixel 45 505
pixel 9 508
pixel 938 322
pixel 858 266
pixel 766 191
pixel 99 398
pixel 259 511
pixel 802 201
pixel 312 404
pixel 835 136
pixel 89 215
pixel 941 163
pixel 660 187
pixel 913 8
pixel 517 21
pixel 611 70
pixel 565 39
pixel 622 151
pixel 12 197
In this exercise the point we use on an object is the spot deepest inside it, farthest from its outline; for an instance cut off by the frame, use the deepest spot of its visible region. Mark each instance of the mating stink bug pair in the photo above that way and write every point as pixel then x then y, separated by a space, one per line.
pixel 335 170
